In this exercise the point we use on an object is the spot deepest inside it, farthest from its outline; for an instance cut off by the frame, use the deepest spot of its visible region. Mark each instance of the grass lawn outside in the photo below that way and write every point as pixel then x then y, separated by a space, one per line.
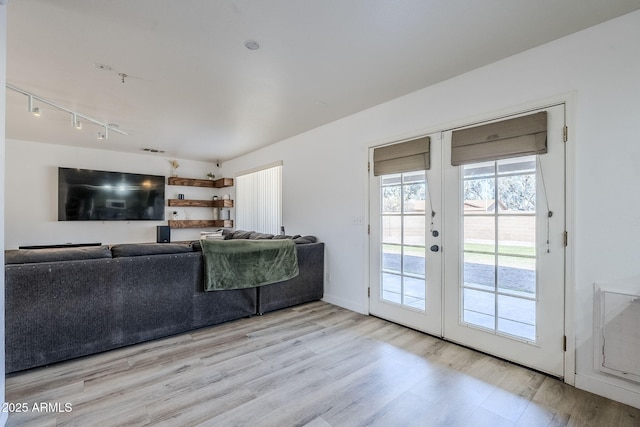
pixel 514 256
pixel 480 253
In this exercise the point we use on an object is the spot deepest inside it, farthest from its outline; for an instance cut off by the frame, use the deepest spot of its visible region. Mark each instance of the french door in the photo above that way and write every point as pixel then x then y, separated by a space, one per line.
pixel 405 258
pixel 482 263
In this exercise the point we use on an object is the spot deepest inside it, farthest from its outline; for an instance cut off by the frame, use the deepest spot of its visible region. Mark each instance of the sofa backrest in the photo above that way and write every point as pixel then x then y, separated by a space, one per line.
pixel 25 256
pixel 254 235
pixel 140 249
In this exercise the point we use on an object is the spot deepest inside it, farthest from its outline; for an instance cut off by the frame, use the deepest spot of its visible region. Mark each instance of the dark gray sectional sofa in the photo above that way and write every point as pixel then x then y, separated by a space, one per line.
pixel 69 302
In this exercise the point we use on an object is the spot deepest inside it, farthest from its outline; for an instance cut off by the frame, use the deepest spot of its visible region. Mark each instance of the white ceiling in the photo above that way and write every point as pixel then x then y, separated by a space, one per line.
pixel 195 91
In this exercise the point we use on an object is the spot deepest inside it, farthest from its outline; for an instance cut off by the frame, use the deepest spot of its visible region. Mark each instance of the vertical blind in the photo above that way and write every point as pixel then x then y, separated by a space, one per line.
pixel 520 136
pixel 405 156
pixel 259 200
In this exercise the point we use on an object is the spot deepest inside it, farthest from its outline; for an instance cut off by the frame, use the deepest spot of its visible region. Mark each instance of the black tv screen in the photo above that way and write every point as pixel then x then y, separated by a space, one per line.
pixel 91 195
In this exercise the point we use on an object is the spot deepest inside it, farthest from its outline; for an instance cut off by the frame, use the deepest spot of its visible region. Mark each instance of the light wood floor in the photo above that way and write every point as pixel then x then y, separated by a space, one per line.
pixel 315 365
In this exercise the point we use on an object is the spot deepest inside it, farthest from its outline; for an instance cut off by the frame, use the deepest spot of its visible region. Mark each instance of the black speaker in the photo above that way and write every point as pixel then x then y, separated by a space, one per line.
pixel 163 234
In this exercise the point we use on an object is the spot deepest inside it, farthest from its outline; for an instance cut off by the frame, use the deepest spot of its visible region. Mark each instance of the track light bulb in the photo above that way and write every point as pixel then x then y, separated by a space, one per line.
pixel 75 122
pixel 31 108
pixel 105 134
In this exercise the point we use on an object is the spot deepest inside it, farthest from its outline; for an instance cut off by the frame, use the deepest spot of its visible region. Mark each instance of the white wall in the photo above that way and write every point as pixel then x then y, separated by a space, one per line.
pixel 325 179
pixel 31 195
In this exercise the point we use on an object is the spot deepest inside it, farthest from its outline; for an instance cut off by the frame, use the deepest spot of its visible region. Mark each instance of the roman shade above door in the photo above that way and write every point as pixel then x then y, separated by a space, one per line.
pixel 520 136
pixel 408 156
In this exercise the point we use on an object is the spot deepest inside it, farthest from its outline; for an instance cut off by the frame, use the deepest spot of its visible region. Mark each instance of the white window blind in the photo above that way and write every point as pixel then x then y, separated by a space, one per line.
pixel 259 200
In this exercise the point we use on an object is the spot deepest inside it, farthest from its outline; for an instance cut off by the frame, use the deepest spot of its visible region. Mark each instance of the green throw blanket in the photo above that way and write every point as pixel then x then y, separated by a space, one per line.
pixel 237 264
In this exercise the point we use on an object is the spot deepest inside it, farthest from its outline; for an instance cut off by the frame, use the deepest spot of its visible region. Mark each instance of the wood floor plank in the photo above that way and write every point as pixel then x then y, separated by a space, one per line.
pixel 194 412
pixel 374 386
pixel 451 396
pixel 513 394
pixel 318 422
pixel 537 415
pixel 314 365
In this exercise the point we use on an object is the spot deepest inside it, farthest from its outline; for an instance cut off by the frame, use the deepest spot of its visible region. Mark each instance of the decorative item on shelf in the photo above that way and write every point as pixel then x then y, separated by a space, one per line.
pixel 226 197
pixel 214 198
pixel 210 176
pixel 180 196
pixel 174 167
pixel 216 214
pixel 175 215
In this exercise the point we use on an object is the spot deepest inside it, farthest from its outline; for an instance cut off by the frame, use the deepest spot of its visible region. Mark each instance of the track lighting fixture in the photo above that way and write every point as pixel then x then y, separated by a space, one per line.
pixel 104 134
pixel 75 122
pixel 31 108
pixel 75 116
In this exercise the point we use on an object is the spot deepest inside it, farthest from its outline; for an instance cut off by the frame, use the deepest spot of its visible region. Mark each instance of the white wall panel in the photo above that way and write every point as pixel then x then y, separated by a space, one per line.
pixel 31 195
pixel 325 185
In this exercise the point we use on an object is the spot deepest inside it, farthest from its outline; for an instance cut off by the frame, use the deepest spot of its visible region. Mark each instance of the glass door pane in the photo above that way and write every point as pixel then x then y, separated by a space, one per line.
pixel 499 255
pixel 403 239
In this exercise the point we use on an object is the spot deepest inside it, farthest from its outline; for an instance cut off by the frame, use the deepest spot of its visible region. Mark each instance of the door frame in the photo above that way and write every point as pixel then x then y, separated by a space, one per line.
pixel 569 100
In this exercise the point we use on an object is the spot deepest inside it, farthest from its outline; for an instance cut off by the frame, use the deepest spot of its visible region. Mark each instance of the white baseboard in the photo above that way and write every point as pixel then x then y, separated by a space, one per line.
pixel 608 390
pixel 341 302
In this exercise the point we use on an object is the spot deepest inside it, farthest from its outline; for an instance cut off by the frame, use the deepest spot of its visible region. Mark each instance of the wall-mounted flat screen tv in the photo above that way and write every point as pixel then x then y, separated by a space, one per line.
pixel 92 195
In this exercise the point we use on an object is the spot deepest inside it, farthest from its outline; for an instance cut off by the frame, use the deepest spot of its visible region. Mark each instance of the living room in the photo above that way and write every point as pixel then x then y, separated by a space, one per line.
pixel 325 180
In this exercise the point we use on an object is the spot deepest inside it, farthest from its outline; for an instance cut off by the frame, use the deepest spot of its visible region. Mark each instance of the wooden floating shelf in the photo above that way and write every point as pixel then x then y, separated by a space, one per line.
pixel 201 203
pixel 194 182
pixel 199 223
pixel 223 182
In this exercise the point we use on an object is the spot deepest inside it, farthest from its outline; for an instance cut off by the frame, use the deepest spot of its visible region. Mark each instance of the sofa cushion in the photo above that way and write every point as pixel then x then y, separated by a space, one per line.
pixel 260 236
pixel 285 236
pixel 23 256
pixel 241 234
pixel 254 235
pixel 140 249
pixel 305 239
